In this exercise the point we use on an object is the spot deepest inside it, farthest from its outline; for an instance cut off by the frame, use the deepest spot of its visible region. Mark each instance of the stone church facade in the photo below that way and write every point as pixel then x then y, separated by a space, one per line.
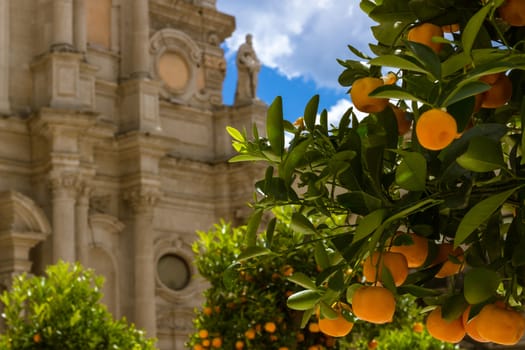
pixel 113 149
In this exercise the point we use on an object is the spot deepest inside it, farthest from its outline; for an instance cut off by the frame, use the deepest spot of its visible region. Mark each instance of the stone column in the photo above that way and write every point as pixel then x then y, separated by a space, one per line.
pixel 4 57
pixel 82 224
pixel 140 39
pixel 80 25
pixel 62 35
pixel 142 203
pixel 64 192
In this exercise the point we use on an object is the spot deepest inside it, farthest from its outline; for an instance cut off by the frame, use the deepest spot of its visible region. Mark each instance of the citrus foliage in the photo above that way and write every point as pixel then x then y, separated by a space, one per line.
pixel 456 178
pixel 62 310
pixel 245 305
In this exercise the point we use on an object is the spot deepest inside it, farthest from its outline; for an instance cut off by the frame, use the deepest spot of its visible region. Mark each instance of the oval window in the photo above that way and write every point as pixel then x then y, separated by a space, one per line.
pixel 174 272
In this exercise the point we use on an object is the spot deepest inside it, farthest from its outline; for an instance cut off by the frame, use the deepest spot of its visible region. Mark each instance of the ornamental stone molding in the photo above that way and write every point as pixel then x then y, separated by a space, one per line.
pixel 142 200
pixel 171 47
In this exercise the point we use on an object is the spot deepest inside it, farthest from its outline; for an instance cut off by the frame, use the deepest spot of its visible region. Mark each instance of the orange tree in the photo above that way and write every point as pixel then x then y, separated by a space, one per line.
pixel 454 181
pixel 245 304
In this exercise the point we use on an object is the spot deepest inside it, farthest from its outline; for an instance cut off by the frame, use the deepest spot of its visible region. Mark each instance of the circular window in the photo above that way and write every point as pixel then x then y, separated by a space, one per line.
pixel 173 70
pixel 173 272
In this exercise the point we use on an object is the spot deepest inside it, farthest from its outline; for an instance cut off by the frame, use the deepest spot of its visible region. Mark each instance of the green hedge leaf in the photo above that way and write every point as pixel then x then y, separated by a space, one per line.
pixel 480 284
pixel 303 300
pixel 483 154
pixel 275 126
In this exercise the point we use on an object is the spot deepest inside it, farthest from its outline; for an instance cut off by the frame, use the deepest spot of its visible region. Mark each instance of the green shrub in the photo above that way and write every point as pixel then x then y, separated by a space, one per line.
pixel 62 310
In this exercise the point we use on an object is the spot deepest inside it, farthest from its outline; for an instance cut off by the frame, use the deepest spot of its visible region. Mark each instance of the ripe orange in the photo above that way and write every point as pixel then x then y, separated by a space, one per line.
pixel 206 343
pixel 239 345
pixel 513 12
pixel 436 129
pixel 450 28
pixel 449 267
pixel 338 327
pixel 372 344
pixel 198 347
pixel 203 334
pixel 444 330
pixel 499 93
pixel 471 326
pixel 415 253
pixel 299 337
pixel 283 348
pixel 500 325
pixel 270 327
pixel 374 304
pixel 361 88
pixel 403 124
pixel 37 338
pixel 418 327
pixel 313 327
pixel 216 342
pixel 424 33
pixel 207 310
pixel 389 79
pixel 250 334
pixel 287 270
pixel 396 263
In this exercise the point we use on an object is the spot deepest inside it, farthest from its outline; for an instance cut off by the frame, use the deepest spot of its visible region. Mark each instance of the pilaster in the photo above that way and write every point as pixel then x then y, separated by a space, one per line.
pixel 140 39
pixel 4 56
pixel 80 34
pixel 142 200
pixel 140 105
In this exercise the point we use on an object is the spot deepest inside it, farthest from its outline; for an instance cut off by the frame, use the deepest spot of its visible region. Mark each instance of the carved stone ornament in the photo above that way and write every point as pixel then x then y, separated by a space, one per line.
pixel 170 47
pixel 142 200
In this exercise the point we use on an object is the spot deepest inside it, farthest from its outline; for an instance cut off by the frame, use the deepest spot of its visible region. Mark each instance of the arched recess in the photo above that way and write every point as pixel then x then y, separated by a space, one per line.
pixel 103 257
pixel 22 226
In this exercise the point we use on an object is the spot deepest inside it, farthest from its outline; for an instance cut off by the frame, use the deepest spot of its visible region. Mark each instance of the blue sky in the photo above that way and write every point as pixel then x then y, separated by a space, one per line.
pixel 298 43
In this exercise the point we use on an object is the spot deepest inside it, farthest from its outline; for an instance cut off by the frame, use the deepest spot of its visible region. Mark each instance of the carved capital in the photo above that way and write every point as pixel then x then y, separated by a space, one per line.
pixel 64 184
pixel 142 200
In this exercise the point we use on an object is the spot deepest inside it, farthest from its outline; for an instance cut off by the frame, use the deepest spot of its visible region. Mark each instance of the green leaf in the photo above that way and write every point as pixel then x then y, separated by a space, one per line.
pixel 479 214
pixel 483 154
pixel 427 57
pixel 463 91
pixel 480 284
pixel 411 173
pixel 252 252
pixel 301 224
pixel 235 134
pixel 321 256
pixel 418 291
pixel 397 61
pixel 369 224
pixel 270 229
pixel 395 92
pixel 245 158
pixel 469 34
pixel 303 300
pixel 230 275
pixel 275 127
pixel 359 202
pixel 326 311
pixel 302 280
pixel 337 282
pixel 351 290
pixel 292 160
pixel 252 226
pixel 307 315
pixel 453 307
pixel 310 112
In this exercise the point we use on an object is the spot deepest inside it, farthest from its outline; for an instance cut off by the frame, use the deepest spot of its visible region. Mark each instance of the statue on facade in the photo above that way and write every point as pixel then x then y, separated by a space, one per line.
pixel 248 67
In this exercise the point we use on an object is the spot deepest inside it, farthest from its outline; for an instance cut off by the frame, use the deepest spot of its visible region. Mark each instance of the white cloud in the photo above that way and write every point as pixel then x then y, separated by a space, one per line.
pixel 336 111
pixel 298 38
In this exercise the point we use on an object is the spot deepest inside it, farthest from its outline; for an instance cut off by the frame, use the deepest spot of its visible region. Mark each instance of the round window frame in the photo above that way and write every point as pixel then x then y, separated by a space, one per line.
pixel 185 263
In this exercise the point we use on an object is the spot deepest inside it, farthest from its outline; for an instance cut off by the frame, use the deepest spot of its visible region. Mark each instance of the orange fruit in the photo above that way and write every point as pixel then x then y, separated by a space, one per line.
pixel 424 33
pixel 513 12
pixel 198 347
pixel 396 263
pixel 287 270
pixel 206 343
pixel 283 348
pixel 448 331
pixel 203 334
pixel 471 325
pixel 374 304
pixel 389 79
pixel 207 310
pixel 415 253
pixel 403 124
pixel 216 342
pixel 418 327
pixel 239 345
pixel 449 267
pixel 299 337
pixel 313 327
pixel 500 325
pixel 250 334
pixel 450 28
pixel 37 338
pixel 490 78
pixel 270 327
pixel 436 129
pixel 337 327
pixel 499 93
pixel 361 88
